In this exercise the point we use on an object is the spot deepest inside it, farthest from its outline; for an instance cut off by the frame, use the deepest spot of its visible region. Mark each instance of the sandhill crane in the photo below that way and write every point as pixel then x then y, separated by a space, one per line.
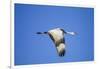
pixel 57 36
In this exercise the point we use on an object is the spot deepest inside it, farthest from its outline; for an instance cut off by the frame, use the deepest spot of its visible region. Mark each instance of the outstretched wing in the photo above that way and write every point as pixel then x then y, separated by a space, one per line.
pixel 57 37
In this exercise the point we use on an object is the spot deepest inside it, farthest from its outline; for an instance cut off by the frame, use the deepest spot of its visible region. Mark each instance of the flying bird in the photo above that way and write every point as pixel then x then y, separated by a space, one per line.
pixel 57 36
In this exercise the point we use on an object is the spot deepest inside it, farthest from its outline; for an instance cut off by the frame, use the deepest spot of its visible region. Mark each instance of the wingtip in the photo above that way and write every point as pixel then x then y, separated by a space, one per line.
pixel 62 53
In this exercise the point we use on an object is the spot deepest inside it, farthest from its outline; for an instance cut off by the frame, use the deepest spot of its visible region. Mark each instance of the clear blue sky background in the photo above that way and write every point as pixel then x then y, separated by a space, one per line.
pixel 31 48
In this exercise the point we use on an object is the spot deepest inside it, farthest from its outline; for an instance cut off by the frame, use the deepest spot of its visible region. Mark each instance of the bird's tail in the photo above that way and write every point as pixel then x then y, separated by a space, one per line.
pixel 61 49
pixel 41 33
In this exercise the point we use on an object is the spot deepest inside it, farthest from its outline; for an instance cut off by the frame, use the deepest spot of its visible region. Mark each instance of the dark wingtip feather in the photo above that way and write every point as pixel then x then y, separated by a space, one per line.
pixel 62 53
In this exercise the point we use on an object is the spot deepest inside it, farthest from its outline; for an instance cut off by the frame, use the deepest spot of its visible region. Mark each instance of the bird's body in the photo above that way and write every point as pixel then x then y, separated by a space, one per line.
pixel 57 36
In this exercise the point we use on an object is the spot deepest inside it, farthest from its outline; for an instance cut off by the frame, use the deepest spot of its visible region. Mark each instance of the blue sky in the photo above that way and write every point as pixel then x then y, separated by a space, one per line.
pixel 31 48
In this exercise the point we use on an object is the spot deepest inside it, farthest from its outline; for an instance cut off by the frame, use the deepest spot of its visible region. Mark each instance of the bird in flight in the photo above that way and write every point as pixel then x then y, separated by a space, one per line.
pixel 57 36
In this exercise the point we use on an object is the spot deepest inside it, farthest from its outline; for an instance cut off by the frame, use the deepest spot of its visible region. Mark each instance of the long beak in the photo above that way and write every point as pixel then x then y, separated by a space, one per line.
pixel 41 33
